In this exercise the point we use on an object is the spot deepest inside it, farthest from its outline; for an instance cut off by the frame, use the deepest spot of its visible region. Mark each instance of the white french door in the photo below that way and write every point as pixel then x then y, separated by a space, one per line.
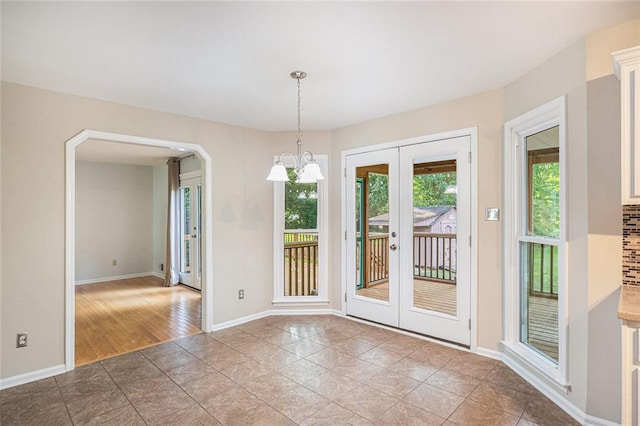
pixel 372 257
pixel 408 237
pixel 190 202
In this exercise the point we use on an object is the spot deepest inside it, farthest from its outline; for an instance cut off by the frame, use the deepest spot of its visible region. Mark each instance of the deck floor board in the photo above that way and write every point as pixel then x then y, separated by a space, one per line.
pixel 441 297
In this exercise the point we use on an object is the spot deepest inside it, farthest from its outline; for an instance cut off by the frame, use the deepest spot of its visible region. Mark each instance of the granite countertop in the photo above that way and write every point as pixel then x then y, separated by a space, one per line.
pixel 629 307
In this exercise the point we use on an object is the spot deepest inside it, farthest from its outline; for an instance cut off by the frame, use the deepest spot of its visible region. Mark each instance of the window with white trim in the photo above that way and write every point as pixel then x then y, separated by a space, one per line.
pixel 300 235
pixel 534 256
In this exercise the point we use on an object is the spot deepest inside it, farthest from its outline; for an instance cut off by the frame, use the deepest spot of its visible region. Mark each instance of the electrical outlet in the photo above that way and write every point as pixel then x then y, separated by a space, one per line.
pixel 114 262
pixel 162 267
pixel 241 294
pixel 21 340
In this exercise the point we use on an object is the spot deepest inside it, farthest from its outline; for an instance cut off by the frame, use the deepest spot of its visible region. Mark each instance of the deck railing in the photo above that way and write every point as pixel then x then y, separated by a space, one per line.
pixel 543 273
pixel 300 263
pixel 434 256
pixel 379 253
pixel 434 259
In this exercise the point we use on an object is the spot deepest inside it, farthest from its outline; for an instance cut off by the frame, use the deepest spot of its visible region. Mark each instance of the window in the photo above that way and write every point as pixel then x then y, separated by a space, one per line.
pixel 534 257
pixel 539 241
pixel 300 253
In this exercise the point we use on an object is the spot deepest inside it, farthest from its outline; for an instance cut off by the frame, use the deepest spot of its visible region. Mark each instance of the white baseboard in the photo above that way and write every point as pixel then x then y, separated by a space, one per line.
pixel 115 278
pixel 158 275
pixel 557 398
pixel 489 353
pixel 238 321
pixel 21 379
pixel 301 311
pixel 268 313
pixel 596 421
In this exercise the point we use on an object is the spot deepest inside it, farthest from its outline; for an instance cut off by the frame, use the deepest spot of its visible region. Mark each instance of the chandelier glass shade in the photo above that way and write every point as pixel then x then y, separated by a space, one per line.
pixel 305 166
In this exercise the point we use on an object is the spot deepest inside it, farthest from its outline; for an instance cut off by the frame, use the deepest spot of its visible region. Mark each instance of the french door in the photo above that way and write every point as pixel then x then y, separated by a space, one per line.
pixel 408 237
pixel 190 202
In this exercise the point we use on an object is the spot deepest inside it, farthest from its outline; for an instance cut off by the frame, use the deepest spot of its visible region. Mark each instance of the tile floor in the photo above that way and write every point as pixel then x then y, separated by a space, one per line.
pixel 286 370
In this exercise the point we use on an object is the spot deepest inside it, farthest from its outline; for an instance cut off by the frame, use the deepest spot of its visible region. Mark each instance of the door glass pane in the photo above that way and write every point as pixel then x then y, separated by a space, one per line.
pixel 372 228
pixel 359 233
pixel 300 237
pixel 539 261
pixel 434 236
pixel 185 230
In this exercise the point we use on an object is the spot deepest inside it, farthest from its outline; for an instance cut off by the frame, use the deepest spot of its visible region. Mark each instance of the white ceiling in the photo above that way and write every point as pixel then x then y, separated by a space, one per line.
pixel 230 61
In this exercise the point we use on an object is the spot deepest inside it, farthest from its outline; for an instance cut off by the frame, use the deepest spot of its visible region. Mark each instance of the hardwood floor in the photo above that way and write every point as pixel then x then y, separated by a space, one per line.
pixel 122 316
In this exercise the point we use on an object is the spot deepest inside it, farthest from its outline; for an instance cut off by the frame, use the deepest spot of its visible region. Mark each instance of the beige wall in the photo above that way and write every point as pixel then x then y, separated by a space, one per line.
pixel 605 248
pixel 484 111
pixel 36 124
pixel 601 44
pixel 564 74
pixel 114 220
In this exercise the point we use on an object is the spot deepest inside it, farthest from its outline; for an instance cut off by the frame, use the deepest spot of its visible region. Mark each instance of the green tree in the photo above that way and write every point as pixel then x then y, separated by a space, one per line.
pixel 378 194
pixel 546 199
pixel 430 189
pixel 300 204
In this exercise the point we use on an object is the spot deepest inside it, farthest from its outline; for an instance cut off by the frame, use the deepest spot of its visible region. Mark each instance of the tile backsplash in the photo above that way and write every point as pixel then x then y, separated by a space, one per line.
pixel 631 244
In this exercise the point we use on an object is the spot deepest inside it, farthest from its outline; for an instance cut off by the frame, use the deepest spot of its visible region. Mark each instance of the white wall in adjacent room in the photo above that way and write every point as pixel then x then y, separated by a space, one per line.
pixel 114 220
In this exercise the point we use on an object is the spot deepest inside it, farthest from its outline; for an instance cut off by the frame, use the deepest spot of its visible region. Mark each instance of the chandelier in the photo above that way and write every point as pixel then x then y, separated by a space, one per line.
pixel 306 168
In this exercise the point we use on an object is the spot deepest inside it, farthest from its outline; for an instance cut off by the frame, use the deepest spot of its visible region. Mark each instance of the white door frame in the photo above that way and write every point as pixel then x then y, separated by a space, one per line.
pixel 70 220
pixel 471 132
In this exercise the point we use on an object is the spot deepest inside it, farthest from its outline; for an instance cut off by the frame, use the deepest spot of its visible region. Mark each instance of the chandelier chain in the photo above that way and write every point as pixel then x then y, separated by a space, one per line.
pixel 299 131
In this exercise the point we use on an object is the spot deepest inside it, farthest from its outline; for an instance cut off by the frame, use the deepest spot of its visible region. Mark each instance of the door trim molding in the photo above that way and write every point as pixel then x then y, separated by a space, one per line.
pixel 70 220
pixel 472 133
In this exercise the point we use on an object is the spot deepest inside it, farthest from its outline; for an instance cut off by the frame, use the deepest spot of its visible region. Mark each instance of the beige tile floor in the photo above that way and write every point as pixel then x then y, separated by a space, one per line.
pixel 285 370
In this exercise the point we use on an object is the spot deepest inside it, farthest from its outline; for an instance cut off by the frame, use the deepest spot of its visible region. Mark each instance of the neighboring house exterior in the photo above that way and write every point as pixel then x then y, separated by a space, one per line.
pixel 433 219
pixel 434 252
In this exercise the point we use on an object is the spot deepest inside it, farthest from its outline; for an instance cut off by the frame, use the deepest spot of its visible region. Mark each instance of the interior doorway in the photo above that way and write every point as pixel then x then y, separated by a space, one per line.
pixel 408 246
pixel 205 219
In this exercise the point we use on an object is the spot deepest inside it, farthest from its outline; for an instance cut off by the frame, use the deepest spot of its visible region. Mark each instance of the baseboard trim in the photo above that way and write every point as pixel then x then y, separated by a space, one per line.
pixel 271 312
pixel 558 399
pixel 489 353
pixel 21 379
pixel 116 278
pixel 596 421
pixel 158 275
pixel 301 311
pixel 238 321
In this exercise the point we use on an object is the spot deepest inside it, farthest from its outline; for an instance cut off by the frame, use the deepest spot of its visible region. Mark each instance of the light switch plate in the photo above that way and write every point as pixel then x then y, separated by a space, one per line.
pixel 492 213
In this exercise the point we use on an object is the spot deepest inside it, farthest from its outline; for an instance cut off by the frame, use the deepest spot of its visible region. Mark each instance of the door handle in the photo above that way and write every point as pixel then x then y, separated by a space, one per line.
pixel 393 247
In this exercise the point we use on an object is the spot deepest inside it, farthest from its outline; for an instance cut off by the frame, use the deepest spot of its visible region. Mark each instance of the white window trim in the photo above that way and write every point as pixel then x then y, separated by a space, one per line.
pixel 279 299
pixel 548 115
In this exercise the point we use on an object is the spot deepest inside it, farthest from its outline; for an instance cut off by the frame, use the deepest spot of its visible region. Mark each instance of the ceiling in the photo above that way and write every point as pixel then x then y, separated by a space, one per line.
pixel 230 61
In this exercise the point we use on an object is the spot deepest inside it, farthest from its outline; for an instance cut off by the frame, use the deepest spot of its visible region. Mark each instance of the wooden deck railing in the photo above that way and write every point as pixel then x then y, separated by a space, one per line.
pixel 434 256
pixel 300 263
pixel 543 274
pixel 379 253
pixel 434 260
